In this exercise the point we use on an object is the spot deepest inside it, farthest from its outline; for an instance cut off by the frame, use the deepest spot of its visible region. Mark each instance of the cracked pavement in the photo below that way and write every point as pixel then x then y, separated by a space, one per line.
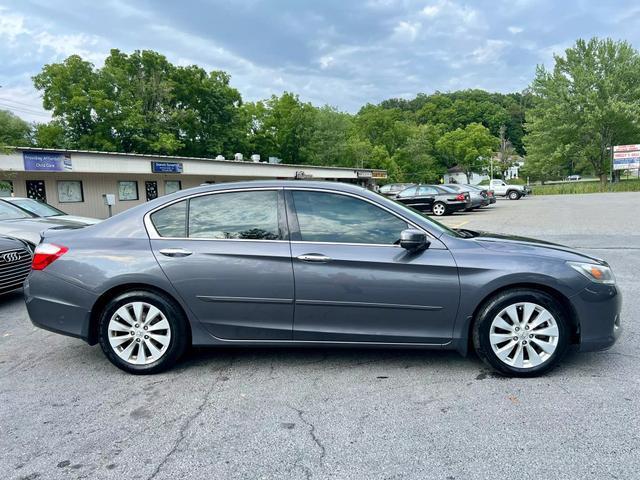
pixel 66 413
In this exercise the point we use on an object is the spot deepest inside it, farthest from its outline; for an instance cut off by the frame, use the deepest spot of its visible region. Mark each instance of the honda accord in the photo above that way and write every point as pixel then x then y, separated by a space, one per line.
pixel 284 263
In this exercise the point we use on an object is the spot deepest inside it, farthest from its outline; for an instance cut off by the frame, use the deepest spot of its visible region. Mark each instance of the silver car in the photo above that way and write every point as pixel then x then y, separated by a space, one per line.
pixel 285 263
pixel 477 199
pixel 44 210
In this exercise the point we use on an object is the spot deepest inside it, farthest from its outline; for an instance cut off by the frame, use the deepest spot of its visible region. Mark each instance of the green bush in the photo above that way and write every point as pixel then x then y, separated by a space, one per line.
pixel 586 187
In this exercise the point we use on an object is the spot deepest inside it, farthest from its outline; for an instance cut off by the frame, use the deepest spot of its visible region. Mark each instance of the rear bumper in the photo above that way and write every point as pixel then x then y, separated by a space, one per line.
pixel 57 305
pixel 598 310
pixel 456 207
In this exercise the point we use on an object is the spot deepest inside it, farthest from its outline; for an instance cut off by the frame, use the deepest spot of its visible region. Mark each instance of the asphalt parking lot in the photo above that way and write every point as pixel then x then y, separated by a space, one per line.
pixel 65 412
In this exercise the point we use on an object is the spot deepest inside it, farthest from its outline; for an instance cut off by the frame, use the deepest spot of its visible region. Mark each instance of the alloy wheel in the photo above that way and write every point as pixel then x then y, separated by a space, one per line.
pixel 139 333
pixel 524 335
pixel 438 209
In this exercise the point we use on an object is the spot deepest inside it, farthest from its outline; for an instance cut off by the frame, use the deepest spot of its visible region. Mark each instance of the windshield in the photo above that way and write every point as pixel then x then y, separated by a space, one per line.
pixel 36 207
pixel 9 212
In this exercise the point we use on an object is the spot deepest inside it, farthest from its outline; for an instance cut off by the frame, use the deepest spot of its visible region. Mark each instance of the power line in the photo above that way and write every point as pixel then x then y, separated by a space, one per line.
pixel 15 101
pixel 24 110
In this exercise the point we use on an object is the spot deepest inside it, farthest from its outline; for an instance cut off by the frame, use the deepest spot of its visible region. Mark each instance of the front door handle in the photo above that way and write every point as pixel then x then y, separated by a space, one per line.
pixel 314 258
pixel 175 252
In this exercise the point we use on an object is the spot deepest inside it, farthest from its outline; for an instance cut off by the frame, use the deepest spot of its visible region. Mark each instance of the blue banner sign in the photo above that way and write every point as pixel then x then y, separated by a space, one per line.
pixel 626 160
pixel 166 167
pixel 46 162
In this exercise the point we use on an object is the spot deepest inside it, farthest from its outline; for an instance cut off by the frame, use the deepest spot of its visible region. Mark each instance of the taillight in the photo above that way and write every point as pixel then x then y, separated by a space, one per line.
pixel 460 196
pixel 45 254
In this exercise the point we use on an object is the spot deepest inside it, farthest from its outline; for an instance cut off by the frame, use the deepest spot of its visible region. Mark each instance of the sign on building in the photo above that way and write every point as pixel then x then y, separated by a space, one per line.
pixel 166 167
pixel 46 162
pixel 626 157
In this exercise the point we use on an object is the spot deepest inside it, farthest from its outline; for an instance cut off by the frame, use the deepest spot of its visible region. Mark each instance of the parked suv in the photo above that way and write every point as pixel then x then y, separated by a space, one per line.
pixel 512 192
pixel 438 199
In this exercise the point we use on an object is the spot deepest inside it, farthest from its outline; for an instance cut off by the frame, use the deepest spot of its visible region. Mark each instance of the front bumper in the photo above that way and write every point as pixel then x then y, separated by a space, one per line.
pixel 57 305
pixel 598 311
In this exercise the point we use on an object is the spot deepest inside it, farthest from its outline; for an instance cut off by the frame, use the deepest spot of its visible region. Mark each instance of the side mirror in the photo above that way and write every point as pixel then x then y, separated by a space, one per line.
pixel 414 240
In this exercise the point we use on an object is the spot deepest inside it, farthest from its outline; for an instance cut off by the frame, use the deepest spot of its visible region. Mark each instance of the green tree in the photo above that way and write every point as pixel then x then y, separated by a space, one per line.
pixel 588 102
pixel 141 103
pixel 470 148
pixel 328 142
pixel 282 126
pixel 14 131
pixel 419 160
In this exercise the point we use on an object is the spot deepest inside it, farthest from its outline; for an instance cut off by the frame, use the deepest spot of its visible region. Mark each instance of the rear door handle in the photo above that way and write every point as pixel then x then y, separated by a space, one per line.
pixel 175 252
pixel 314 258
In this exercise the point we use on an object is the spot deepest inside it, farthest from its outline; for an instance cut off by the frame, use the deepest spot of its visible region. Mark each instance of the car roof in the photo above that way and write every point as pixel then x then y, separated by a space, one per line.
pixel 338 186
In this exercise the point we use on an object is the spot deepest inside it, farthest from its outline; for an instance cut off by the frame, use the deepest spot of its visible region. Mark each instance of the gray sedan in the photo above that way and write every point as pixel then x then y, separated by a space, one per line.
pixel 285 263
pixel 477 199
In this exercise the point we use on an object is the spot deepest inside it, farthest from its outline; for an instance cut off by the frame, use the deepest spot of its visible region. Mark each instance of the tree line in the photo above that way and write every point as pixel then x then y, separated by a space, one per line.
pixel 565 122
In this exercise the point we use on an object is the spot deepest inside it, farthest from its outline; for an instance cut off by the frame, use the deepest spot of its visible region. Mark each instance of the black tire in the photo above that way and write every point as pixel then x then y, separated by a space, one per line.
pixel 178 342
pixel 514 195
pixel 482 326
pixel 439 212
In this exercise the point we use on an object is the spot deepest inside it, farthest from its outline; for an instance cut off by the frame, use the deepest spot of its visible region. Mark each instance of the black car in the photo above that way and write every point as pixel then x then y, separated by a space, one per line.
pixel 437 199
pixel 15 264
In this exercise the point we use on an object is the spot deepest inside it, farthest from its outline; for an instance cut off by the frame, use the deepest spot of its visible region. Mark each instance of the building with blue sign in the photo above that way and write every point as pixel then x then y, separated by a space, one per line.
pixel 75 181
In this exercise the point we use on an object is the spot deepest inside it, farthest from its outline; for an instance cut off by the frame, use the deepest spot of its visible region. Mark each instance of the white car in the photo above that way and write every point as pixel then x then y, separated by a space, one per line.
pixel 512 192
pixel 44 210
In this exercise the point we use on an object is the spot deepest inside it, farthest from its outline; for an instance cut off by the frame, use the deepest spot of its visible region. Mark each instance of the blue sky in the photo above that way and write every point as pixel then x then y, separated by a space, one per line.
pixel 339 52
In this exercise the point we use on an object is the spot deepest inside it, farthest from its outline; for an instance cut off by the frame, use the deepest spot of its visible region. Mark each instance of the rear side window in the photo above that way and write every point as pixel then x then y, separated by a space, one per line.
pixel 171 221
pixel 408 192
pixel 249 215
pixel 427 191
pixel 328 217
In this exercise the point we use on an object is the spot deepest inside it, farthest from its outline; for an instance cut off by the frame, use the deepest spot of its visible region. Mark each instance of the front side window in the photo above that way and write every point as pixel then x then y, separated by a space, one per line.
pixel 329 217
pixel 249 215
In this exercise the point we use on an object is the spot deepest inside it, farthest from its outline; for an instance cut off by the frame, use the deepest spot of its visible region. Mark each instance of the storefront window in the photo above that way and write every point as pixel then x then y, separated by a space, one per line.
pixel 70 191
pixel 127 190
pixel 172 186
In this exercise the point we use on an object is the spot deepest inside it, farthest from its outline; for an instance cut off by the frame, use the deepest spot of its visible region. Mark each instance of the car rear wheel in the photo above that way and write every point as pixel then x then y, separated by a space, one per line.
pixel 439 209
pixel 513 195
pixel 142 332
pixel 521 333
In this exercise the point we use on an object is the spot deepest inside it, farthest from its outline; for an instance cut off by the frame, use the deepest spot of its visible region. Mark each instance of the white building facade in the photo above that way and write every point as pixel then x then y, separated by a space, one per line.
pixel 75 181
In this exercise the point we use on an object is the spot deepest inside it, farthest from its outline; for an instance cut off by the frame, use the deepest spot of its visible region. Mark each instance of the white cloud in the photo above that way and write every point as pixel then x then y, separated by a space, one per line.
pixel 441 8
pixel 490 52
pixel 406 31
pixel 11 26
pixel 515 30
pixel 69 44
pixel 326 61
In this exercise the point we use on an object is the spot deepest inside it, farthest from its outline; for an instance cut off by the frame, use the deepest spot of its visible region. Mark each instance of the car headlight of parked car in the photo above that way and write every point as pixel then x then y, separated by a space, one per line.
pixel 594 272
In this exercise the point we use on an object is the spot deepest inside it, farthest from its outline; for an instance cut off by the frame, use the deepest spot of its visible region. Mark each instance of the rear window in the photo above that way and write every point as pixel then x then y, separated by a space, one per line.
pixel 171 221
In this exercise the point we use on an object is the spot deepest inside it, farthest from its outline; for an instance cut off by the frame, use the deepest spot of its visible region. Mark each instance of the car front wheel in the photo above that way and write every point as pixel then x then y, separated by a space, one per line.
pixel 142 332
pixel 439 209
pixel 521 333
pixel 513 195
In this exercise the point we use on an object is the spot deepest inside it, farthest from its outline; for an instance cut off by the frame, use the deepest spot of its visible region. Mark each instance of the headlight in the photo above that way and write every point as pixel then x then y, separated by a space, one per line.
pixel 594 272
